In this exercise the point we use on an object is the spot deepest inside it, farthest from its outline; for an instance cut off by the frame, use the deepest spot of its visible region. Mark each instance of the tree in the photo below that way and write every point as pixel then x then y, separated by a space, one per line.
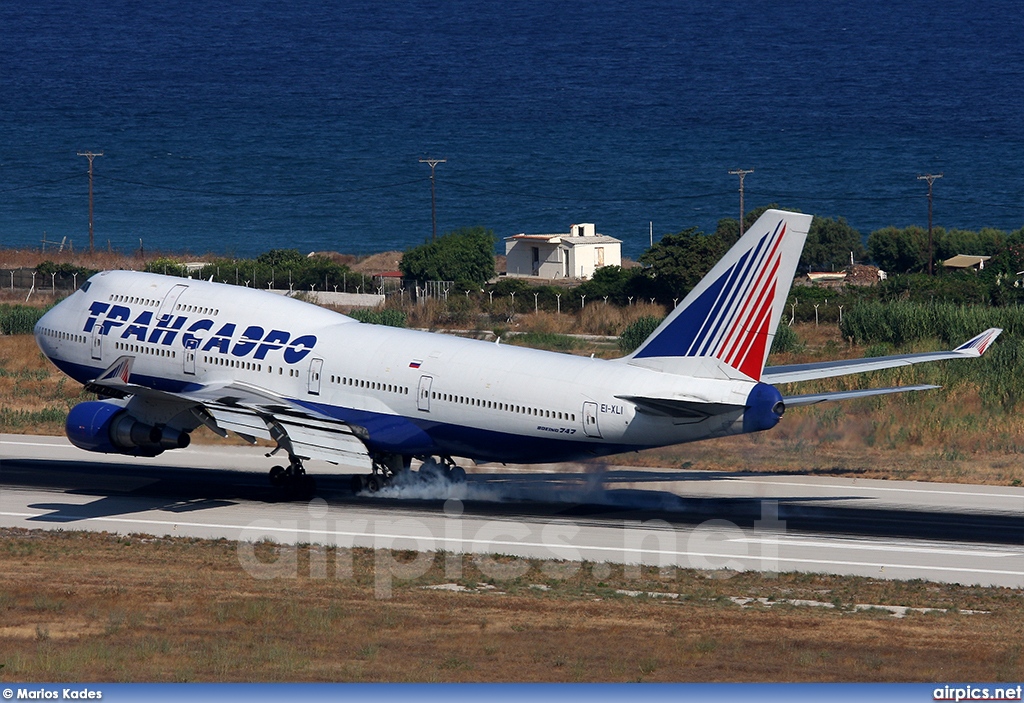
pixel 282 258
pixel 465 256
pixel 280 268
pixel 949 243
pixel 899 250
pixel 167 266
pixel 615 283
pixel 679 261
pixel 64 270
pixel 638 332
pixel 829 244
pixel 728 228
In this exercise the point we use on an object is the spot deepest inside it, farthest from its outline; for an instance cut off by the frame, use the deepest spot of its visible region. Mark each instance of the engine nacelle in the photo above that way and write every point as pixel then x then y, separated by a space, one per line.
pixel 105 426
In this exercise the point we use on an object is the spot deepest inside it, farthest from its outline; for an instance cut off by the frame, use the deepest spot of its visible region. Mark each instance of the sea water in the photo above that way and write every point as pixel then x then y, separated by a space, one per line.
pixel 240 127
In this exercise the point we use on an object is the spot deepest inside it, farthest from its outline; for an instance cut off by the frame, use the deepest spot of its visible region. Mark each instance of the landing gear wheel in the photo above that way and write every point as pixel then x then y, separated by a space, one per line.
pixel 373 483
pixel 358 483
pixel 456 474
pixel 278 476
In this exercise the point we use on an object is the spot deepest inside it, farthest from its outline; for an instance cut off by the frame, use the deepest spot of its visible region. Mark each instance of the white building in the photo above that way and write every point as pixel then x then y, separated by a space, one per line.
pixel 573 255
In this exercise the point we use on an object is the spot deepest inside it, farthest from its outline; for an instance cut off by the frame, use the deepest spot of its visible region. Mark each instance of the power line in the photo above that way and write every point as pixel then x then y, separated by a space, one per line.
pixel 577 199
pixel 90 155
pixel 931 178
pixel 257 194
pixel 742 173
pixel 76 174
pixel 433 199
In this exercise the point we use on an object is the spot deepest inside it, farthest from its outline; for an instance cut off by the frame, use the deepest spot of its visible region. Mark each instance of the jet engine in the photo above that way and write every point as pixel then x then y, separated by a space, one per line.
pixel 106 426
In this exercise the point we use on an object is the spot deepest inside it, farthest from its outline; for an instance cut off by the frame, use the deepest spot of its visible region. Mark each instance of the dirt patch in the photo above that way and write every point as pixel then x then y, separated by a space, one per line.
pixel 43 630
pixel 378 263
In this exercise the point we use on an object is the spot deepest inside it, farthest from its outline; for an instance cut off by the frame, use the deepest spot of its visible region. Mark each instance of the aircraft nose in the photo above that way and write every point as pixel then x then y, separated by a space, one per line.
pixel 49 325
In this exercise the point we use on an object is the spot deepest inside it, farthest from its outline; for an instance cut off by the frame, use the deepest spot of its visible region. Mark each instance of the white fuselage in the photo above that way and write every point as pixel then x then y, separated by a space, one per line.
pixel 415 393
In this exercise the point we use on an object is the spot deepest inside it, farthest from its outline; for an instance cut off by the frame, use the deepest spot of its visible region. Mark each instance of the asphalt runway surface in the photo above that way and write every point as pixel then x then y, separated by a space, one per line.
pixel 608 515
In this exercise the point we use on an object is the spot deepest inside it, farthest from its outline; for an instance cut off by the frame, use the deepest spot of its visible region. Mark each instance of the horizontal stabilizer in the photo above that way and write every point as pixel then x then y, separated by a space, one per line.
pixel 794 401
pixel 686 410
pixel 794 373
pixel 117 374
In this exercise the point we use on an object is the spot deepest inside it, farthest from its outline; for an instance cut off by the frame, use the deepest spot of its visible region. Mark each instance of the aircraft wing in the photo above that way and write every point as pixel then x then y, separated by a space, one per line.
pixel 827 369
pixel 249 411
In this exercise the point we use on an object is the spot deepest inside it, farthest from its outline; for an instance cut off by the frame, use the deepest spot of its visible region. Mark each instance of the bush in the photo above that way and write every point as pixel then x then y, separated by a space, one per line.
pixel 167 266
pixel 19 319
pixel 64 270
pixel 389 317
pixel 785 340
pixel 465 256
pixel 636 333
pixel 283 268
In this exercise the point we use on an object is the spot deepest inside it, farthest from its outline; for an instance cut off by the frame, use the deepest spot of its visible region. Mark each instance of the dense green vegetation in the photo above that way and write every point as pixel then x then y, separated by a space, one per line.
pixel 64 271
pixel 19 319
pixel 277 268
pixel 636 333
pixel 389 317
pixel 465 256
pixel 902 323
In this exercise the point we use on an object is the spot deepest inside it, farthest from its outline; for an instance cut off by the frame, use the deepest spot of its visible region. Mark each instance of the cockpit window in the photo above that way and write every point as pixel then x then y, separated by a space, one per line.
pixel 85 286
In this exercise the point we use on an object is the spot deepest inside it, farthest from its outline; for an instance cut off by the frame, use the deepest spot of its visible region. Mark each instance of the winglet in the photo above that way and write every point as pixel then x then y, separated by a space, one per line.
pixel 978 345
pixel 118 373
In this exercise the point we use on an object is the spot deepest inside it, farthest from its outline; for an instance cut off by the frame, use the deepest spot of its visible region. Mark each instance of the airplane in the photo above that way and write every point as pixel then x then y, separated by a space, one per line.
pixel 167 355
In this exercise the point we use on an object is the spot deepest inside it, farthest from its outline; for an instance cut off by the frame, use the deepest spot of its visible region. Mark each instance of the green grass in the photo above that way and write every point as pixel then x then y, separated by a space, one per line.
pixel 544 340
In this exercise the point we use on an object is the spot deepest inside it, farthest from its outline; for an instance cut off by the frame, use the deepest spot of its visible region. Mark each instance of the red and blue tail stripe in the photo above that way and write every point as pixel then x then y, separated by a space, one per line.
pixel 980 343
pixel 732 314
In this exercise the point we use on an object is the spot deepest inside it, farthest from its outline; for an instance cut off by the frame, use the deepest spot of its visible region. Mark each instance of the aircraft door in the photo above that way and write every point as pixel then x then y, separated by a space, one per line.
pixel 97 342
pixel 170 300
pixel 189 357
pixel 316 366
pixel 590 426
pixel 423 395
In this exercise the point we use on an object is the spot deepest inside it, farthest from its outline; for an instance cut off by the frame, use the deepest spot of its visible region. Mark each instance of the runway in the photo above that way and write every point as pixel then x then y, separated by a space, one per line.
pixel 620 515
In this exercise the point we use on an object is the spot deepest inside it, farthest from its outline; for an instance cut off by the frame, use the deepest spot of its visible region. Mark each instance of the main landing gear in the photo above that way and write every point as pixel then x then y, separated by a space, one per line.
pixel 389 469
pixel 293 480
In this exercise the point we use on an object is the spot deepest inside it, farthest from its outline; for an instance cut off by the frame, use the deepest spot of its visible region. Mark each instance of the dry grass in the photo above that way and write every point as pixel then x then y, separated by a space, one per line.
pixel 596 318
pixel 34 395
pixel 127 611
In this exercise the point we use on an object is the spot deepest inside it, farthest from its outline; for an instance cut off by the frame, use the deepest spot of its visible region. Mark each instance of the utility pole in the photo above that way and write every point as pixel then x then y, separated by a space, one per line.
pixel 90 155
pixel 931 178
pixel 742 174
pixel 433 198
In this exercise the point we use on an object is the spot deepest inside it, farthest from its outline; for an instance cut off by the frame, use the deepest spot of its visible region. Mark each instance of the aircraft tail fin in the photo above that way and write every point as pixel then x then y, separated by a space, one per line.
pixel 725 326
